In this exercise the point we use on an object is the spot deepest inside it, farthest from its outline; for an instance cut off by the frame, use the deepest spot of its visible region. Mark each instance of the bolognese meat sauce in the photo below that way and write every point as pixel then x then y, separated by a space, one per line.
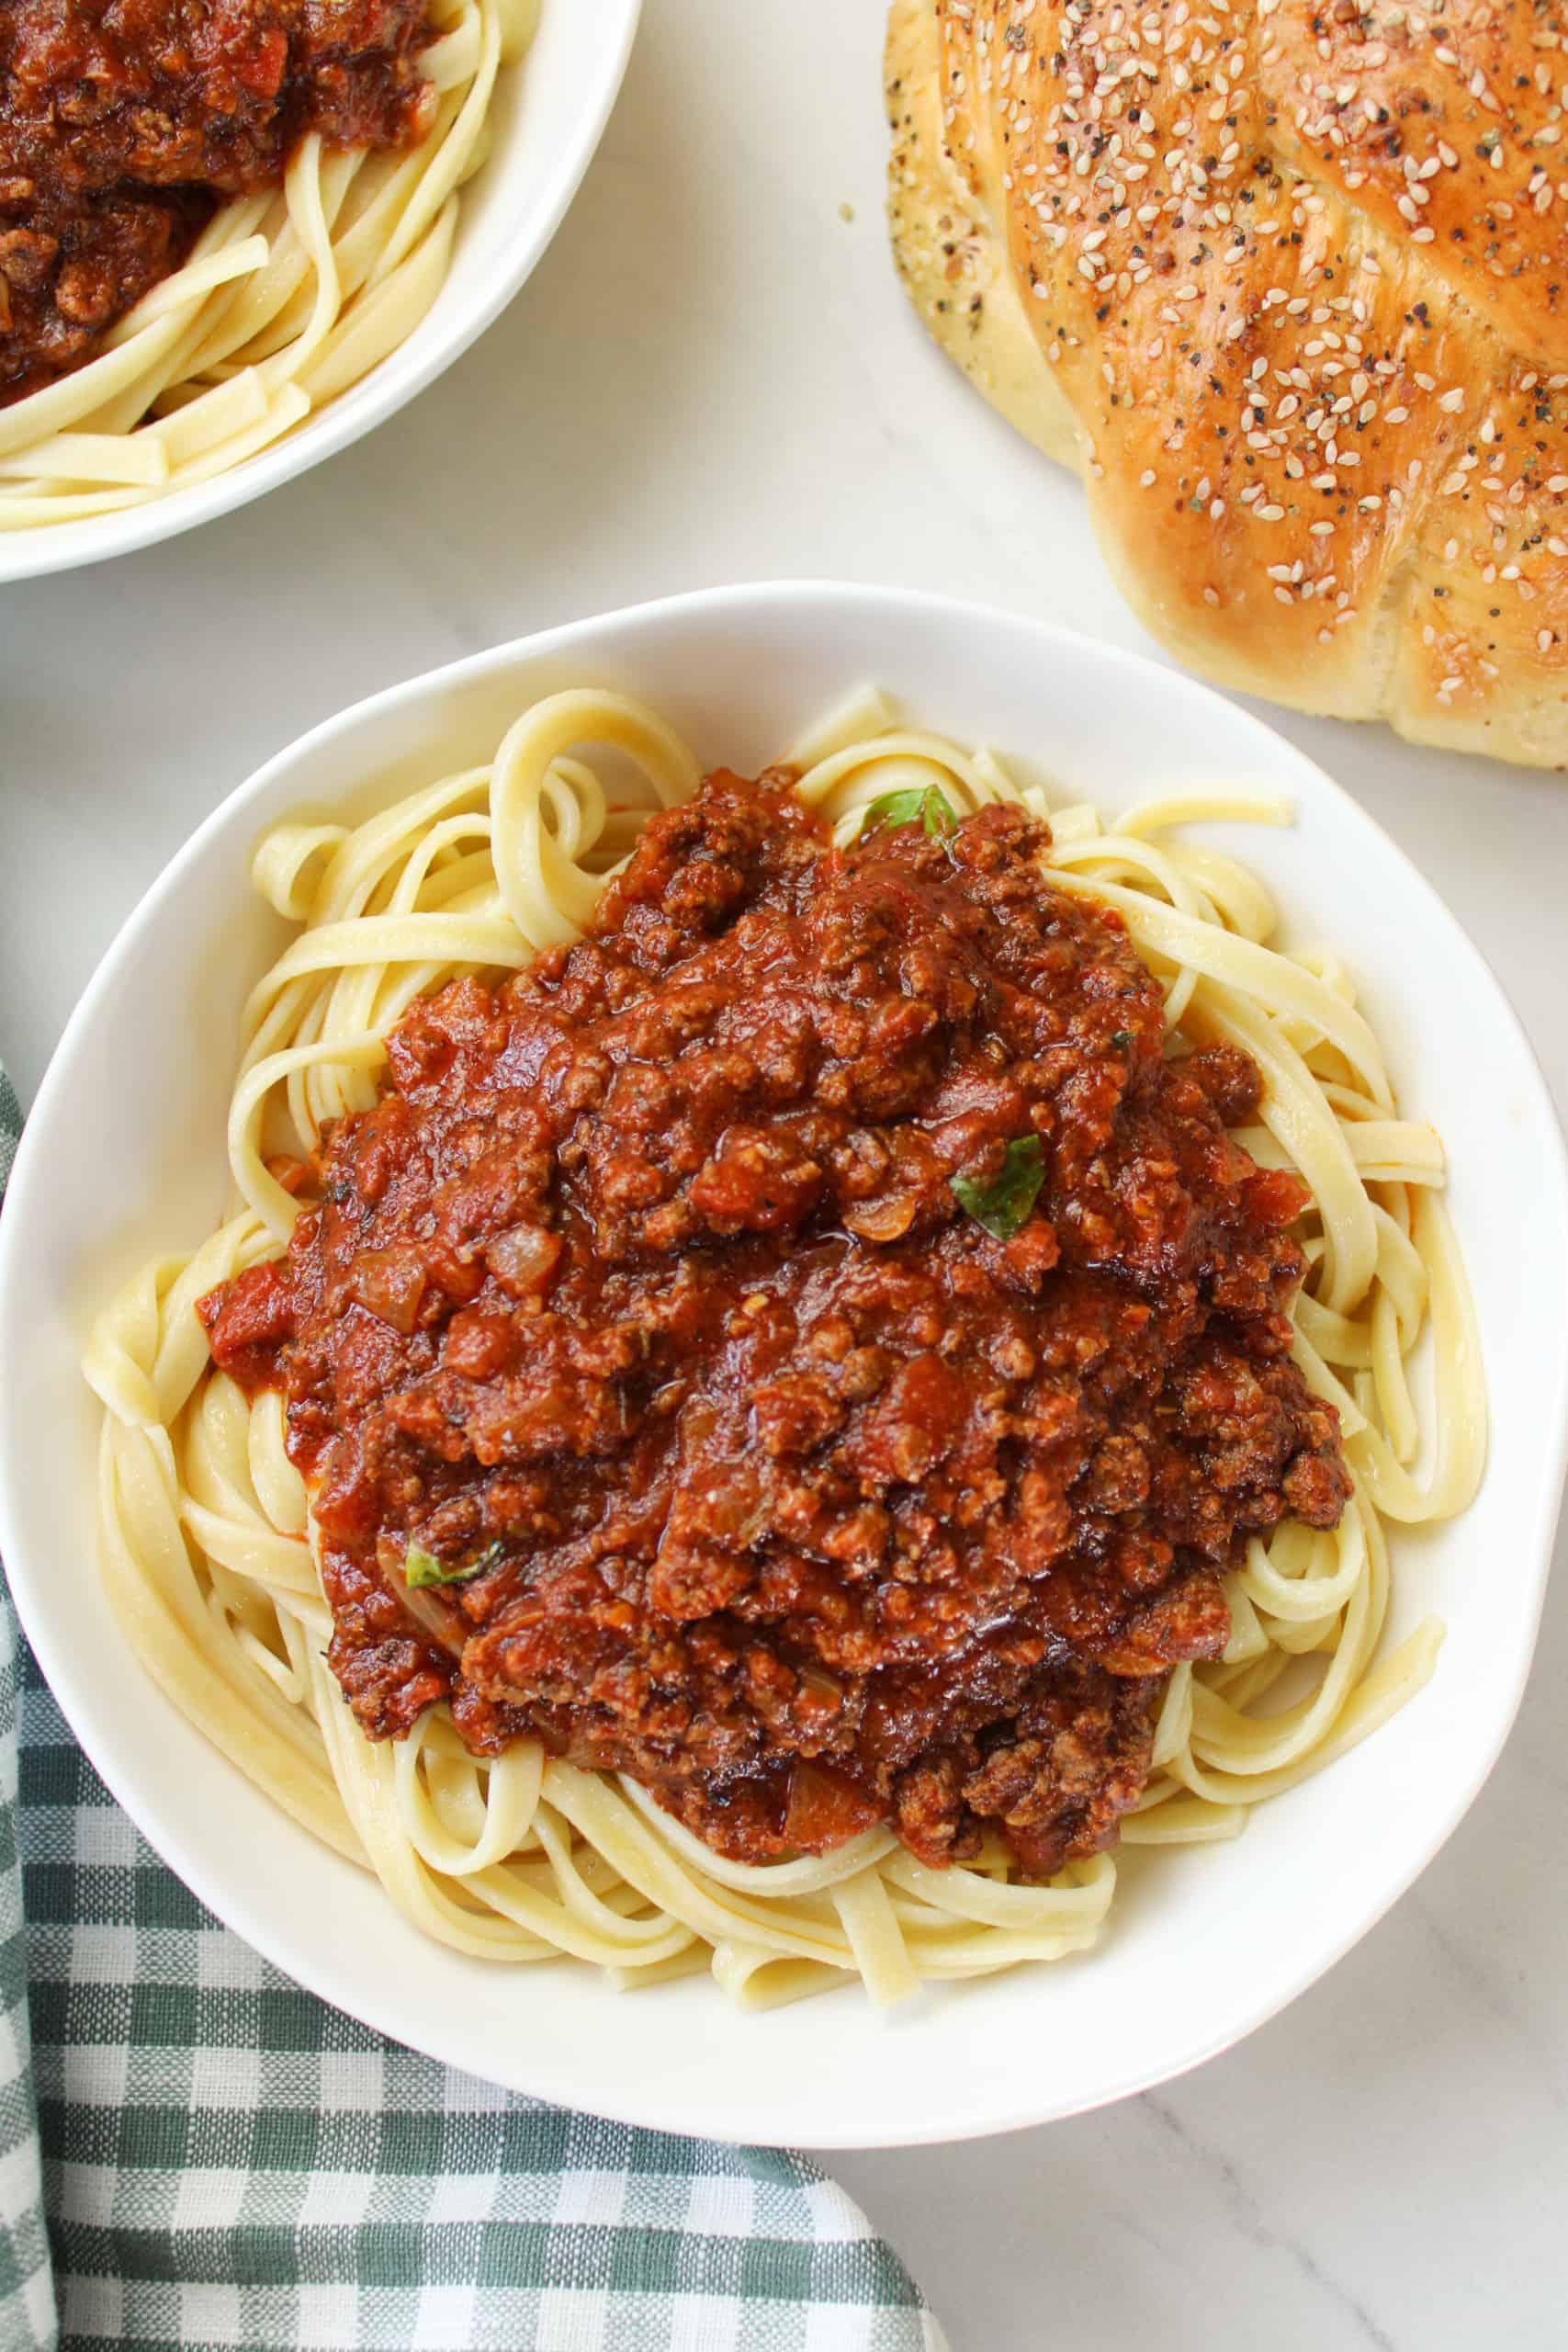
pixel 125 123
pixel 803 1346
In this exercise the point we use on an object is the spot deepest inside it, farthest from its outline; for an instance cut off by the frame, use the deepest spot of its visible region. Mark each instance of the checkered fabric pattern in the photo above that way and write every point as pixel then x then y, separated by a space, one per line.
pixel 10 1127
pixel 194 2153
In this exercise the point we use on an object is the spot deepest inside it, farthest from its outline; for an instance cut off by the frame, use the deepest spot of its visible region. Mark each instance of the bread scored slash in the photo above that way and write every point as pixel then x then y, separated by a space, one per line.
pixel 1288 284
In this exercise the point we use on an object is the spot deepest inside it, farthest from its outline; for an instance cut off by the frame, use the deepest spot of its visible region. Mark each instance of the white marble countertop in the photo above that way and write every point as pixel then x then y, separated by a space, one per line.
pixel 711 378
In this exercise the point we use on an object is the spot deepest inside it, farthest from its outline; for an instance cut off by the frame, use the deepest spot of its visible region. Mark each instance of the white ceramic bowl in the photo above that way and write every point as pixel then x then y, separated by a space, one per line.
pixel 124 1156
pixel 548 118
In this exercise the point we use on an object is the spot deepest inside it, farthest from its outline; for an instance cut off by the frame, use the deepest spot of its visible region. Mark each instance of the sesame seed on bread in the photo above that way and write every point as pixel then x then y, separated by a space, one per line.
pixel 1287 282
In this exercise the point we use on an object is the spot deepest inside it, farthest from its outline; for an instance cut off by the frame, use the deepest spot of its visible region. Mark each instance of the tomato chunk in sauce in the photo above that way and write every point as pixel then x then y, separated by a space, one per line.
pixel 642 1324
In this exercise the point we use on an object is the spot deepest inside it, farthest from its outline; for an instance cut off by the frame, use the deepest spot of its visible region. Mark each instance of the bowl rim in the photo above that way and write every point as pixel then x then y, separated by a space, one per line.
pixel 388 387
pixel 269 1936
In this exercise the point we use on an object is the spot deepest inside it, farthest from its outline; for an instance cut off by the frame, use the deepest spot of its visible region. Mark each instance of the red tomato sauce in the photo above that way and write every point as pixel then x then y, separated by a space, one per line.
pixel 653 1325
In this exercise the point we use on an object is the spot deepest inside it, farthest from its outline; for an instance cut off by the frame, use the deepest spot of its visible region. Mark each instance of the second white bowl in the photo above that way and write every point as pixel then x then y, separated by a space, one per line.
pixel 547 117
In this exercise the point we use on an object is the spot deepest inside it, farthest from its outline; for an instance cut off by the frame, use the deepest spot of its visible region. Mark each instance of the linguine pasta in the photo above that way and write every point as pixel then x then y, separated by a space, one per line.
pixel 205 1529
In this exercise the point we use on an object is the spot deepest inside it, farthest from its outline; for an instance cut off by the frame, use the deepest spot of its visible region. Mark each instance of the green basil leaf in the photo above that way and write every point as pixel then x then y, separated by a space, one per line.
pixel 1003 1204
pixel 421 1569
pixel 924 803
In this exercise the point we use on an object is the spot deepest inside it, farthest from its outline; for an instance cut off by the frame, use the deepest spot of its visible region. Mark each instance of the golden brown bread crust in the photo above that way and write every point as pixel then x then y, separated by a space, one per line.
pixel 1287 282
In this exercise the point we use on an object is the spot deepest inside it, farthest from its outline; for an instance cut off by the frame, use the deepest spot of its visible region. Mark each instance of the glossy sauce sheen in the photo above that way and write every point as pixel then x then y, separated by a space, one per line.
pixel 798 1495
pixel 125 123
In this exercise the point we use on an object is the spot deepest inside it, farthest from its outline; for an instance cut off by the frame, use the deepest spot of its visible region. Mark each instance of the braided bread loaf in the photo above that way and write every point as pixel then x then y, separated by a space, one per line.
pixel 1287 282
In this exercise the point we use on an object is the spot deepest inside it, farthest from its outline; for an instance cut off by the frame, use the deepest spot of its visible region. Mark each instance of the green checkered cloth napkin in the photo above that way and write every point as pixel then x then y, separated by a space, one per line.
pixel 194 2153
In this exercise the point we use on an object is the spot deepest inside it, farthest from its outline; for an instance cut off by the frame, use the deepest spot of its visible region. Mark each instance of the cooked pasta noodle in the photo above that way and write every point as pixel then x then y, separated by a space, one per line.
pixel 288 297
pixel 206 1527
